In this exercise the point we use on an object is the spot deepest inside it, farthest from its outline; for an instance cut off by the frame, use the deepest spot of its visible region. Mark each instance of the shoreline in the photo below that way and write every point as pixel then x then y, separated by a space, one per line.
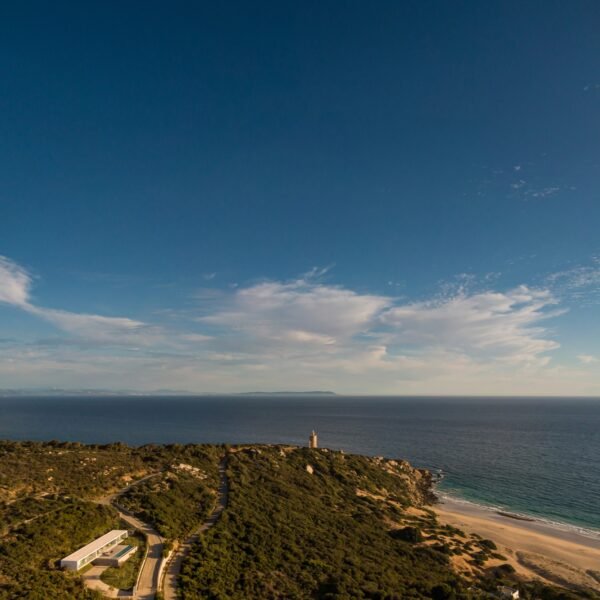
pixel 569 531
pixel 536 549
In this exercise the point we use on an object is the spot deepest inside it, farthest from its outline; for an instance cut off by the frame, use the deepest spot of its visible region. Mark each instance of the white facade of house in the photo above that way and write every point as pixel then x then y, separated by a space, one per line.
pixel 88 553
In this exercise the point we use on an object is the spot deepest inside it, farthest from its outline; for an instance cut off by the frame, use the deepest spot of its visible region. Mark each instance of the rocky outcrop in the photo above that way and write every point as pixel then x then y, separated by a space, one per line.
pixel 419 482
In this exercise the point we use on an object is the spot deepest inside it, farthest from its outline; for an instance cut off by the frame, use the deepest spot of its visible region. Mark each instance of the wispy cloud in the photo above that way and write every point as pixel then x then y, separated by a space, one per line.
pixel 579 284
pixel 543 192
pixel 308 332
pixel 382 331
pixel 487 325
pixel 527 181
pixel 526 191
pixel 15 289
pixel 95 327
pixel 15 283
pixel 587 359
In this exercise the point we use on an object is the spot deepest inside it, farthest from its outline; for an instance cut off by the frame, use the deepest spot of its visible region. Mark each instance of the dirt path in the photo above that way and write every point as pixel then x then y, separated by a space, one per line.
pixel 174 566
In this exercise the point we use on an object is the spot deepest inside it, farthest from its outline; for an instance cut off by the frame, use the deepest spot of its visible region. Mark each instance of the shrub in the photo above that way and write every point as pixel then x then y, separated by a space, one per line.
pixel 408 534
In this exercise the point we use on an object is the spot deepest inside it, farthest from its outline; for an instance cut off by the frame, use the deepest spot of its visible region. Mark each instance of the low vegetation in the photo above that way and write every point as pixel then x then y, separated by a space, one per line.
pixel 300 524
pixel 321 532
pixel 49 506
pixel 180 499
pixel 30 552
pixel 124 577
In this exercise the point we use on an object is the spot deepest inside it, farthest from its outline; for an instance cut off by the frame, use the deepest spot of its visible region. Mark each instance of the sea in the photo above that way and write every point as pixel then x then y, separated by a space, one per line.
pixel 536 457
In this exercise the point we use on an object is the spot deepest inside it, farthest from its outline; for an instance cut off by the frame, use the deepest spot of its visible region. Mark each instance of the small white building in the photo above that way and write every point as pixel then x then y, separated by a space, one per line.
pixel 88 553
pixel 508 592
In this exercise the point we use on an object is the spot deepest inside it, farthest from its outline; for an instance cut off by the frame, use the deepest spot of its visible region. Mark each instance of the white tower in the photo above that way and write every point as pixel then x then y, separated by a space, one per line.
pixel 312 440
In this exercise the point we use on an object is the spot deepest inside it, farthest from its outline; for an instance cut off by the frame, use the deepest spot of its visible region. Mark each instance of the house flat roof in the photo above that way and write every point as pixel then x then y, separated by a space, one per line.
pixel 96 545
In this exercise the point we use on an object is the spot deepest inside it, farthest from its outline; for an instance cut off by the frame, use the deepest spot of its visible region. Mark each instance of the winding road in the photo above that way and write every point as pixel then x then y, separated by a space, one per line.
pixel 149 578
pixel 173 568
pixel 150 569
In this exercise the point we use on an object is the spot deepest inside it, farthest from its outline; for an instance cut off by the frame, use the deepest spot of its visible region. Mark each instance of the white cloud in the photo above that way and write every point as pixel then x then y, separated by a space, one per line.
pixel 588 359
pixel 15 286
pixel 308 337
pixel 94 327
pixel 579 284
pixel 544 192
pixel 580 276
pixel 309 334
pixel 330 328
pixel 299 311
pixel 525 190
pixel 195 337
pixel 15 283
pixel 489 325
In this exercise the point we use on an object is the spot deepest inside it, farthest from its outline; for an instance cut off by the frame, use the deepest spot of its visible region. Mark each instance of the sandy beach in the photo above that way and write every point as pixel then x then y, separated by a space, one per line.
pixel 536 549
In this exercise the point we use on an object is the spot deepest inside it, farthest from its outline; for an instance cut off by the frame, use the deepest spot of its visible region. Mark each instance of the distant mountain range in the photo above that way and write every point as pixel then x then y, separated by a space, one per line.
pixel 160 392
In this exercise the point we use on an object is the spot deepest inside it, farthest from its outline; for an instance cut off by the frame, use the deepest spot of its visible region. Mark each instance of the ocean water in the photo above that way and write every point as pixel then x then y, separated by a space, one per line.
pixel 533 456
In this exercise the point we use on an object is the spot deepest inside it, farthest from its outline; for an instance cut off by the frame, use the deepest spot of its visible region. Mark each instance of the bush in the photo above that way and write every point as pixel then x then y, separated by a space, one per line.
pixel 443 592
pixel 408 534
pixel 489 544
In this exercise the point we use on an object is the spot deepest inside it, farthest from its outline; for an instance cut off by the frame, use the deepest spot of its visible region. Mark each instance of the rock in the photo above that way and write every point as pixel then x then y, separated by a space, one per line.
pixel 309 469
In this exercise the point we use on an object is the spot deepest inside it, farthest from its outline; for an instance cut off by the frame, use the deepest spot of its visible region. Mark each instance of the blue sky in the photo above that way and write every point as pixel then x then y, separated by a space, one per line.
pixel 389 198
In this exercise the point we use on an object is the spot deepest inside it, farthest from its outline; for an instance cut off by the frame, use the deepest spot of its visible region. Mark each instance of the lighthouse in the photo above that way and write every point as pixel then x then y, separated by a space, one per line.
pixel 312 440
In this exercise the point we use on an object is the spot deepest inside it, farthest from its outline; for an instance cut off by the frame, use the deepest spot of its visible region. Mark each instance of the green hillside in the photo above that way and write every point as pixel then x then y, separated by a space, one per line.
pixel 298 524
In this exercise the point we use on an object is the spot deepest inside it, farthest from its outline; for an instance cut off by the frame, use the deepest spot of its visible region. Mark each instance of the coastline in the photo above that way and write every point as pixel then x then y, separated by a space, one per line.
pixel 536 549
pixel 503 514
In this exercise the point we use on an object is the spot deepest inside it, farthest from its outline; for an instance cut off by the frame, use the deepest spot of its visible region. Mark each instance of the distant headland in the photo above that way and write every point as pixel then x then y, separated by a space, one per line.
pixel 288 393
pixel 46 391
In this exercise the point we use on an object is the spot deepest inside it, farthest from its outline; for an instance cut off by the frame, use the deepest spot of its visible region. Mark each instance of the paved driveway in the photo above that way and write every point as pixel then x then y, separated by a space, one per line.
pixel 148 580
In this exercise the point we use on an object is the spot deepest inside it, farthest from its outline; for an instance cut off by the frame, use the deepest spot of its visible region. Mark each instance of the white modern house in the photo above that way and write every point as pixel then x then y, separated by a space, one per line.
pixel 88 553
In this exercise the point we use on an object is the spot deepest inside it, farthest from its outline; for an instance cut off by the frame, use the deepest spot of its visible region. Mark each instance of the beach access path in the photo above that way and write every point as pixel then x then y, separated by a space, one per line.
pixel 173 568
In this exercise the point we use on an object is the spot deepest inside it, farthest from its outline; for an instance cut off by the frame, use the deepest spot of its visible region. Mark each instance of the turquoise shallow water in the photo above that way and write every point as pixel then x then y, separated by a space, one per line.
pixel 539 456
